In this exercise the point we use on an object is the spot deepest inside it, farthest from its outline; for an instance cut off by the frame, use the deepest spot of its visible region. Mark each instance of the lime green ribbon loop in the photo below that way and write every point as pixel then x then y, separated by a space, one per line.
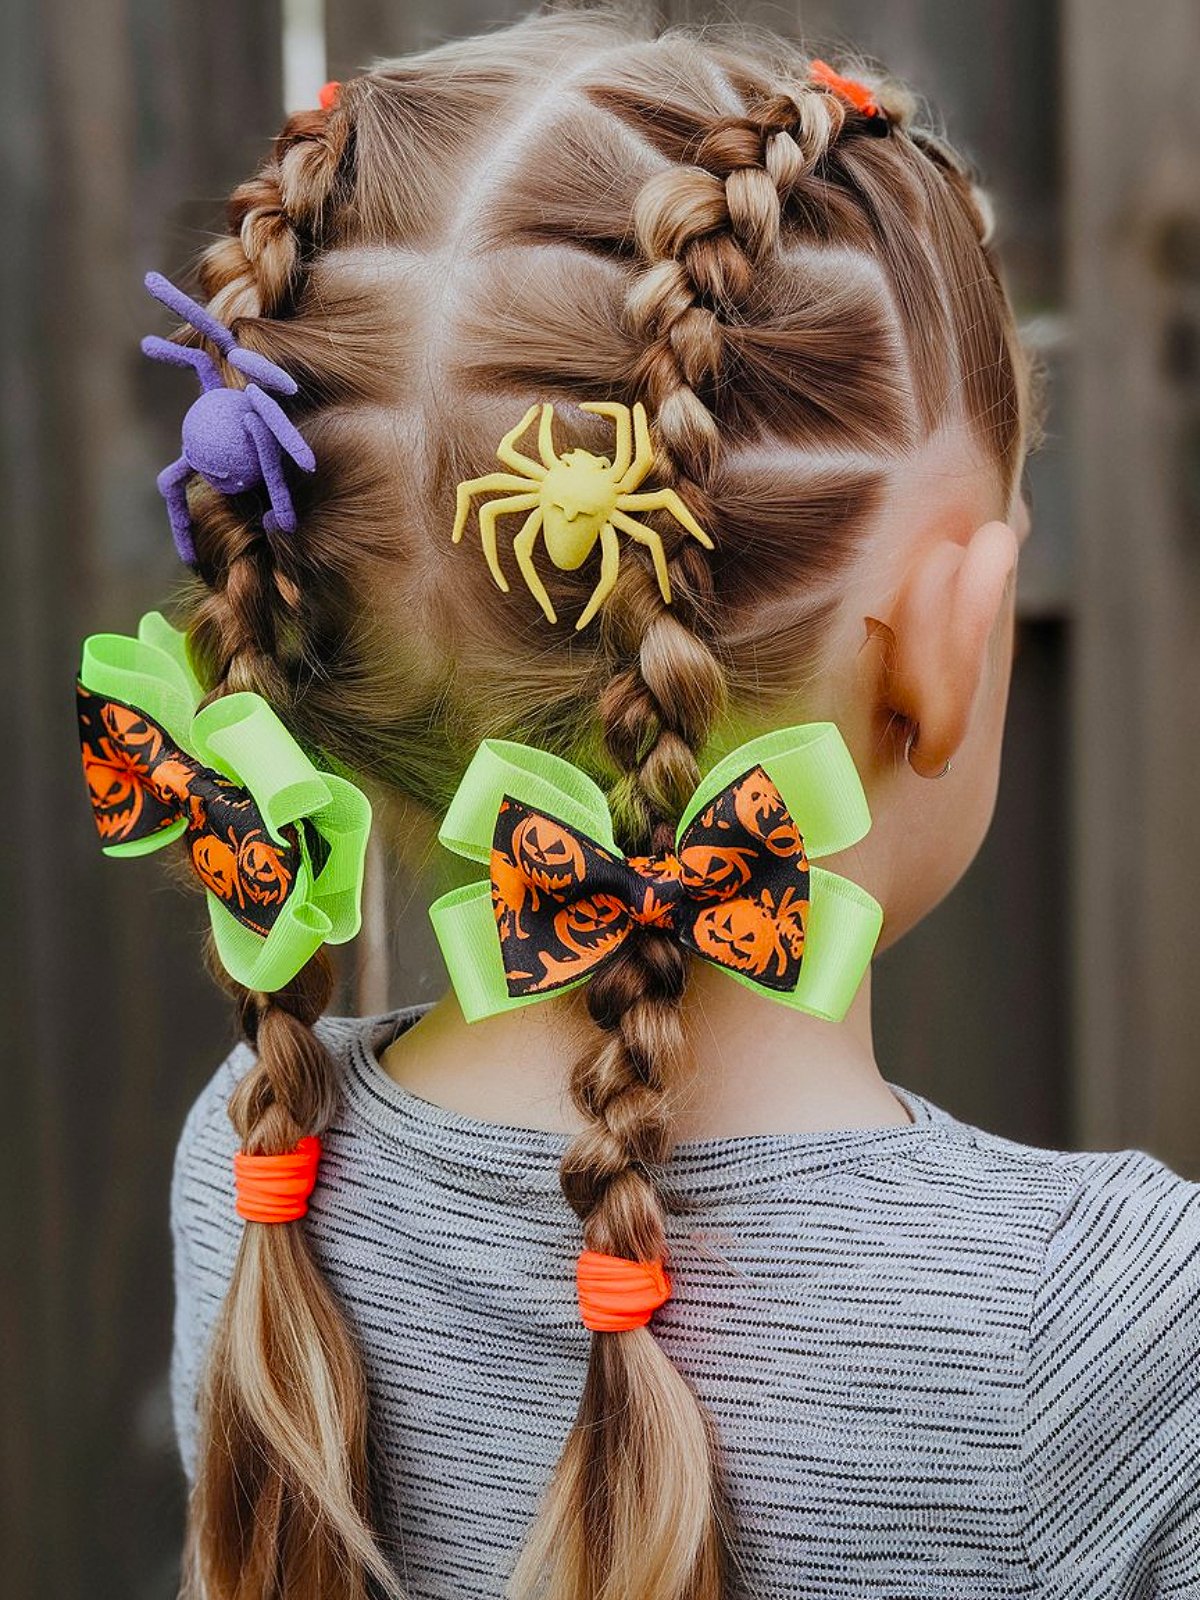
pixel 815 775
pixel 240 737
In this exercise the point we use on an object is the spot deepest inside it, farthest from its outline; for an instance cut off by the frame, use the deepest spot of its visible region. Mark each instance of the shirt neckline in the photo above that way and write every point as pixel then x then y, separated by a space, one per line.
pixel 510 1157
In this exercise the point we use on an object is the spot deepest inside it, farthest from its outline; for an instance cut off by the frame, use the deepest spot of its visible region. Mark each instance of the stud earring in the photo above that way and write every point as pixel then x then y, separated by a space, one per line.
pixel 908 744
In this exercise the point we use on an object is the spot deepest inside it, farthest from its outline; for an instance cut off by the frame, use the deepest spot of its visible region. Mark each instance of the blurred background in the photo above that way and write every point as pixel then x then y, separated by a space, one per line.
pixel 1050 999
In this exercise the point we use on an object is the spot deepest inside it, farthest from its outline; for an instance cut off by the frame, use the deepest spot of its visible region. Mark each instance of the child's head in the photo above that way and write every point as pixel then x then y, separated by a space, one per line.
pixel 572 210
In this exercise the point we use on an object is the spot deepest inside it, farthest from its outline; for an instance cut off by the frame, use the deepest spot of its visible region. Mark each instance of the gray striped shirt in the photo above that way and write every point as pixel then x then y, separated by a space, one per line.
pixel 943 1365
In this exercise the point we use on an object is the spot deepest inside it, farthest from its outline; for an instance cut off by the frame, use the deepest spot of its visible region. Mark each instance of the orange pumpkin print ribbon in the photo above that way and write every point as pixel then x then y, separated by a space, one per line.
pixel 735 891
pixel 140 782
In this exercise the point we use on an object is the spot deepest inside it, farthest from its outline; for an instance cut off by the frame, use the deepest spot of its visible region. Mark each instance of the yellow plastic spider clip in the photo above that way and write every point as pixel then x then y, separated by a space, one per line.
pixel 573 500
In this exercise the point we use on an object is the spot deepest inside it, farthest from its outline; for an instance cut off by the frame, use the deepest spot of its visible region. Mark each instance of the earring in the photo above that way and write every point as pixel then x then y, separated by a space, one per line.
pixel 908 744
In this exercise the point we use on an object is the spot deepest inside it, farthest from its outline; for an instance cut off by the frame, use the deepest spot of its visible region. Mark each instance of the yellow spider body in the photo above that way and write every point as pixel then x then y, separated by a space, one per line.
pixel 573 501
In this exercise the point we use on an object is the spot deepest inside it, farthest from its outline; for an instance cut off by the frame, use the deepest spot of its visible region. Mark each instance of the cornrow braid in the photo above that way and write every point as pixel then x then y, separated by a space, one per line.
pixel 705 227
pixel 282 1503
pixel 702 230
pixel 278 216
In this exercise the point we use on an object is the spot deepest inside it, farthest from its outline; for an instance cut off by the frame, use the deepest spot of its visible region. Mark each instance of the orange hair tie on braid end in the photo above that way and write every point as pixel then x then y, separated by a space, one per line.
pixel 327 95
pixel 276 1188
pixel 616 1293
pixel 850 89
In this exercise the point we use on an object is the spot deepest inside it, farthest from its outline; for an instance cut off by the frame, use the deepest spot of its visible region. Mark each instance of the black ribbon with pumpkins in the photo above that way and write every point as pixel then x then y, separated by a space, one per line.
pixel 738 888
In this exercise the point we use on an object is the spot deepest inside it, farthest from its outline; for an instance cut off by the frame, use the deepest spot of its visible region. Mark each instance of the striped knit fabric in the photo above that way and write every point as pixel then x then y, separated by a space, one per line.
pixel 943 1365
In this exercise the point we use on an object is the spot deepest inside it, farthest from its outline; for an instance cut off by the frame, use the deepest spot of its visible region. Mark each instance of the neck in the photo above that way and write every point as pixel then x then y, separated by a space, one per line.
pixel 751 1066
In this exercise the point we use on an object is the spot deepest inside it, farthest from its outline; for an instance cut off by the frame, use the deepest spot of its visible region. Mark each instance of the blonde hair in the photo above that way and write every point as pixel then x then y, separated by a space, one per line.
pixel 570 208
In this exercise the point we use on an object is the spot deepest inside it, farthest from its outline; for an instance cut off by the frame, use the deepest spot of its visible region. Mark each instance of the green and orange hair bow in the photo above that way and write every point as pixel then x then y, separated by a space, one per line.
pixel 739 888
pixel 278 844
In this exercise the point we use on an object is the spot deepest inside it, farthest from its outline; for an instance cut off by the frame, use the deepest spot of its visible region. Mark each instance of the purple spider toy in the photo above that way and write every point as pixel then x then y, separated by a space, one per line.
pixel 234 439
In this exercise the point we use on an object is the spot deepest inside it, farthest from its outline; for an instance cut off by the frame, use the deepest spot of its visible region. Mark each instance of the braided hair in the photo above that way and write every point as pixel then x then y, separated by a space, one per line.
pixel 676 219
pixel 282 1501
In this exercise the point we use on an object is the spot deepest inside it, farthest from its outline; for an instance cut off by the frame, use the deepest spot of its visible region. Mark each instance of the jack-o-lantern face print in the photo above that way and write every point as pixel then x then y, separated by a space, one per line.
pixel 716 871
pixel 140 782
pixel 136 735
pixel 116 793
pixel 592 925
pixel 173 779
pixel 235 857
pixel 248 871
pixel 120 777
pixel 547 853
pixel 266 876
pixel 752 936
pixel 759 807
pixel 553 895
pixel 216 863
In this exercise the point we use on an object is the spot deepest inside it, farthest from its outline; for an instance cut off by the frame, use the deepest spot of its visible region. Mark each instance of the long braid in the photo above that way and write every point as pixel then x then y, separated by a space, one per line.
pixel 282 1502
pixel 637 1505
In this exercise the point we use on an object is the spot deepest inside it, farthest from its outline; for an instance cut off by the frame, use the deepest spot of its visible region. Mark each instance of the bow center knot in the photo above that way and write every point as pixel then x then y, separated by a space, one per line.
pixel 658 887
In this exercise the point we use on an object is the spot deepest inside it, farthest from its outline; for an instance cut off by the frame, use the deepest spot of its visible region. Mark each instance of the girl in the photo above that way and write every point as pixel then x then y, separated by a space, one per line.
pixel 823 1338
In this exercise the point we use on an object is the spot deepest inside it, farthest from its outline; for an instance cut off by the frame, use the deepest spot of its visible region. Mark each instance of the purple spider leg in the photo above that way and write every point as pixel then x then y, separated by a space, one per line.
pixel 289 436
pixel 262 371
pixel 182 355
pixel 184 306
pixel 282 515
pixel 171 487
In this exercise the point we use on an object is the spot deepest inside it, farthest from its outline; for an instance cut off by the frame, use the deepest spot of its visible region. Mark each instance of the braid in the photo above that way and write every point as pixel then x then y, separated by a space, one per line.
pixel 277 217
pixel 705 227
pixel 703 230
pixel 282 1500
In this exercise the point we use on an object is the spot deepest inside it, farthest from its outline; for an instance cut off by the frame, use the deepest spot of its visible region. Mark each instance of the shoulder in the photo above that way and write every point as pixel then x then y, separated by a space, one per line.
pixel 1108 1247
pixel 1114 1234
pixel 1130 1221
pixel 1119 1293
pixel 1090 1199
pixel 1112 1395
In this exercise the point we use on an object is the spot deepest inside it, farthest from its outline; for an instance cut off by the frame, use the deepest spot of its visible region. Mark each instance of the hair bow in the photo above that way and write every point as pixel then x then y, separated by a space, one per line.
pixel 738 889
pixel 278 845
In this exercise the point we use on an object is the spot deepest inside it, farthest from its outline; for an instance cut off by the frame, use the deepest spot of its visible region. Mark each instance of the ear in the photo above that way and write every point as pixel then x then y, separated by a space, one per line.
pixel 945 613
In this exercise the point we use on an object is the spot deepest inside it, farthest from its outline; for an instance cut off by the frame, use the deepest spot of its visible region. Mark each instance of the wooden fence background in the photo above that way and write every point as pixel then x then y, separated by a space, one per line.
pixel 1050 998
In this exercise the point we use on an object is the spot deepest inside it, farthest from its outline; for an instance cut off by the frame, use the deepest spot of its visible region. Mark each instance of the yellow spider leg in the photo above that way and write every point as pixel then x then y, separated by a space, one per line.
pixel 507 451
pixel 623 448
pixel 546 439
pixel 523 550
pixel 494 480
pixel 610 560
pixel 648 537
pixel 487 528
pixel 667 500
pixel 644 459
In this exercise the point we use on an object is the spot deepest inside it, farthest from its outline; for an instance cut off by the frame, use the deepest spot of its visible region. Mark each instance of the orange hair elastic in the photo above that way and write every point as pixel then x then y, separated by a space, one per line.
pixel 276 1188
pixel 850 89
pixel 616 1293
pixel 327 95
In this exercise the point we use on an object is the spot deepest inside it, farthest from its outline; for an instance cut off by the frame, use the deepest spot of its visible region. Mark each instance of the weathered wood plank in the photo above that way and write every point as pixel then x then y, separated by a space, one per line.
pixel 126 126
pixel 1134 257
